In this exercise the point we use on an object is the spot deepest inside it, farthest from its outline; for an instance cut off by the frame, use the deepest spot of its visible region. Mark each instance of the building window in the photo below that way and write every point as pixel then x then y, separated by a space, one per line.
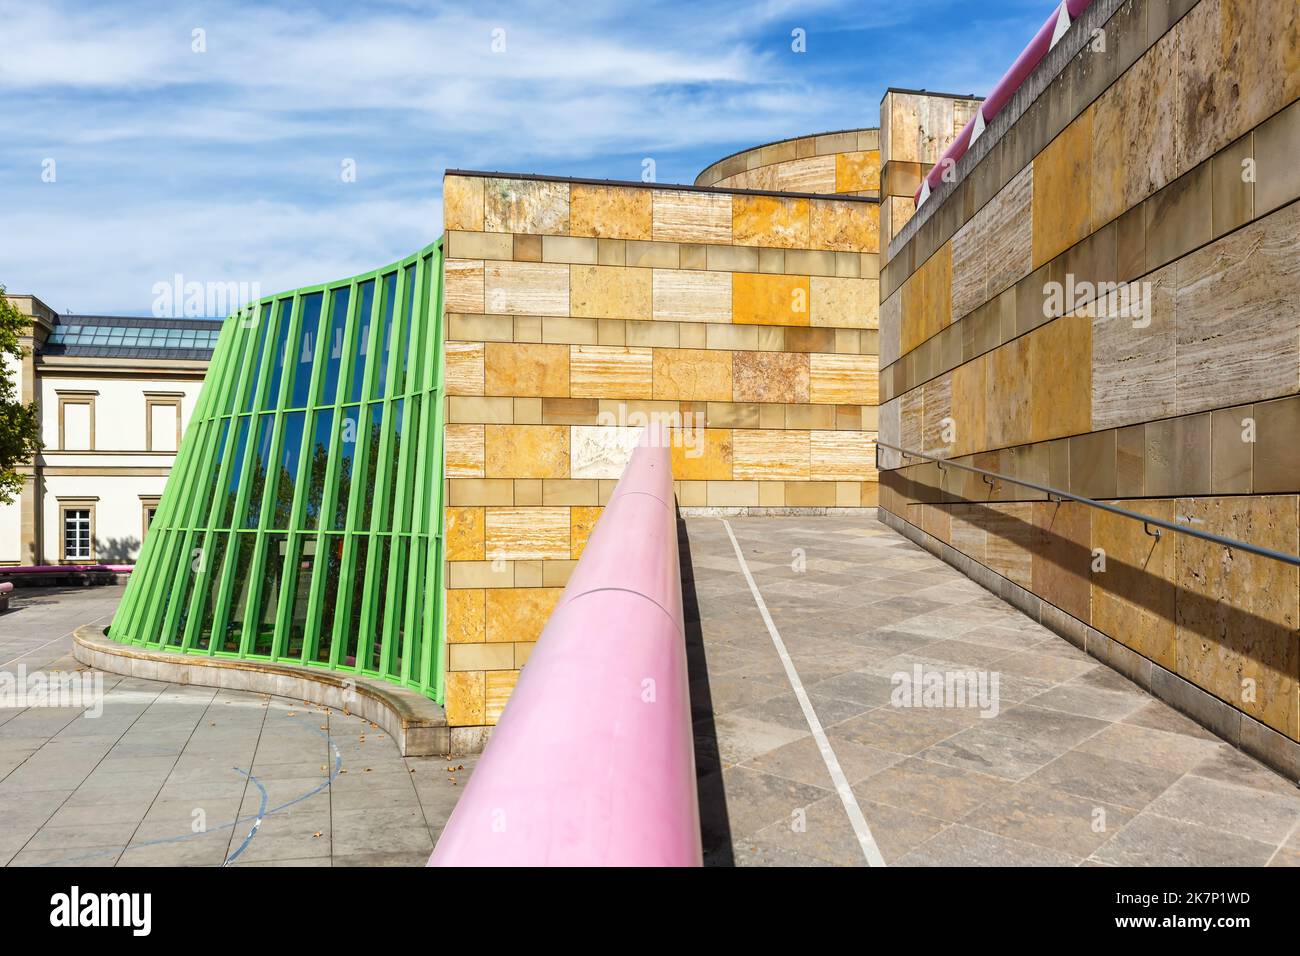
pixel 149 509
pixel 76 534
pixel 77 421
pixel 162 421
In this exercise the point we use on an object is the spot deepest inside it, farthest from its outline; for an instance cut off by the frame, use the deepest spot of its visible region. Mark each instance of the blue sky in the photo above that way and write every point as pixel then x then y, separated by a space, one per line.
pixel 225 165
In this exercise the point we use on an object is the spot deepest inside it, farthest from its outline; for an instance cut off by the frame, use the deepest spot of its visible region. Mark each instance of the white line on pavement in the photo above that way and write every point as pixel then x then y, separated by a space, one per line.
pixel 859 822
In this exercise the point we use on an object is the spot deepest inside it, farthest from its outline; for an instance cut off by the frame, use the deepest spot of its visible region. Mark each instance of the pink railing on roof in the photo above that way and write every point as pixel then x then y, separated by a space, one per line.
pixel 592 762
pixel 1001 93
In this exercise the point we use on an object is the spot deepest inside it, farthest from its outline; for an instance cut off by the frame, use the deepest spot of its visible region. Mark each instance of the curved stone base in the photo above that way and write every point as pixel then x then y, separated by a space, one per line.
pixel 418 724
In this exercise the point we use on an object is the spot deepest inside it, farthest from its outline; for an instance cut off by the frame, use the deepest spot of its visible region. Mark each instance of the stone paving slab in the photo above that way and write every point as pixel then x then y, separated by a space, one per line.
pixel 1079 766
pixel 172 775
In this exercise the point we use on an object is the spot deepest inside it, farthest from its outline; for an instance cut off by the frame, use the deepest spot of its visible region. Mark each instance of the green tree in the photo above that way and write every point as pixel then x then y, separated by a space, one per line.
pixel 20 429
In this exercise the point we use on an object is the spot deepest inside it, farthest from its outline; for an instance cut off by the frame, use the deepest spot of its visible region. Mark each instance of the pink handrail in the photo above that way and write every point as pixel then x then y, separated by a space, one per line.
pixel 1001 93
pixel 592 762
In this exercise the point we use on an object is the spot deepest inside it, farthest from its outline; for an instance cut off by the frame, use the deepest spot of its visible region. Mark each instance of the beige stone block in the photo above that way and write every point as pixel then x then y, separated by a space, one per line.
pixel 692 335
pixel 463 285
pixel 810 494
pixel 769 377
pixel 771 454
pixel 611 252
pixel 519 614
pixel 522 370
pixel 480 328
pixel 563 329
pixel 810 262
pixel 842 456
pixel 526 451
pixel 537 207
pixel 684 216
pixel 462 203
pixel 555 574
pixel 477 410
pixel 659 335
pixel 525 534
pixel 693 256
pixel 732 494
pixel 528 328
pixel 692 494
pixel 848 494
pixel 810 416
pixel 570 491
pixel 470 657
pixel 528 574
pixel 569 411
pixel 610 212
pixel 569 249
pixel 480 574
pixel 845 303
pixel 697 375
pixel 654 255
pixel 480 491
pixel 771 261
pixel 691 296
pixel 463 369
pixel 602 451
pixel 526 288
pixel 480 245
pixel 598 371
pixel 731 258
pixel 610 292
pixel 814 174
pixel 611 332
pixel 771 494
pixel 528 493
pixel 463 450
pixel 528 411
pixel 843 379
pixel 732 337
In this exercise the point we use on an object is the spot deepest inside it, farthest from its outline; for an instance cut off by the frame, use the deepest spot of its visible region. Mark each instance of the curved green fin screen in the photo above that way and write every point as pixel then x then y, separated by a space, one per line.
pixel 302 519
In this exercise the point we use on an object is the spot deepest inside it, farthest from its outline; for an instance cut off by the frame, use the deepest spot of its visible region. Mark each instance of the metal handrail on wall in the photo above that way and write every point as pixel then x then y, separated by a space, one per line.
pixel 1053 494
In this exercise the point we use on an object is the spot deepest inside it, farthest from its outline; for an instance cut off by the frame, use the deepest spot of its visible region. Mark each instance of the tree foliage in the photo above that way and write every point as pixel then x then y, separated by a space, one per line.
pixel 20 428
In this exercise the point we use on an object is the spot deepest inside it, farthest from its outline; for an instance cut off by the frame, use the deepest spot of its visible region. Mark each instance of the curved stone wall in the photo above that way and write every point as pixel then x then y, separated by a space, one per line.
pixel 847 162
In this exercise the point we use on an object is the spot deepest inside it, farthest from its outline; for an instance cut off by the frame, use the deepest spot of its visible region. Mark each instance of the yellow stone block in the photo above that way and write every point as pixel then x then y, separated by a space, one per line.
pixel 519 614
pixel 527 534
pixel 858 171
pixel 690 296
pixel 604 371
pixel 1062 213
pixel 462 203
pixel 466 621
pixel 526 451
pixel 1060 375
pixel 610 212
pixel 463 373
pixel 582 521
pixel 769 221
pixel 770 377
pixel 466 698
pixel 927 299
pixel 769 299
pixel 844 226
pixel 843 379
pixel 694 375
pixel 771 454
pixel 526 370
pixel 701 455
pixel 464 534
pixel 500 685
pixel 463 449
pixel 610 292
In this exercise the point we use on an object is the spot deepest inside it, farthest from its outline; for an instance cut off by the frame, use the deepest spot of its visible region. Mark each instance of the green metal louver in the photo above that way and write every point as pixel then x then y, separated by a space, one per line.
pixel 302 521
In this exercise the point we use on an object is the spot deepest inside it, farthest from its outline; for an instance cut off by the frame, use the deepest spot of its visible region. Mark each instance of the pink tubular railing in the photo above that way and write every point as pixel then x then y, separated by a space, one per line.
pixel 1001 93
pixel 592 762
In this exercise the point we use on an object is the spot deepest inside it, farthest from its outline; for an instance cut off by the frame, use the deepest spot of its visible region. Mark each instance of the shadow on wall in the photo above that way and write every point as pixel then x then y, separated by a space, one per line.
pixel 715 825
pixel 117 550
pixel 1223 628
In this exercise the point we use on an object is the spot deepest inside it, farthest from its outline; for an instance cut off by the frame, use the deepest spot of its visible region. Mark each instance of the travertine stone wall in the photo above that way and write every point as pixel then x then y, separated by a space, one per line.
pixel 847 162
pixel 1169 174
pixel 576 310
pixel 915 128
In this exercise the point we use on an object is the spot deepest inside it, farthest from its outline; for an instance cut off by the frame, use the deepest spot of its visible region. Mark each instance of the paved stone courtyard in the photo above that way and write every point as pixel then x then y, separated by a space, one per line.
pixel 1079 766
pixel 132 786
